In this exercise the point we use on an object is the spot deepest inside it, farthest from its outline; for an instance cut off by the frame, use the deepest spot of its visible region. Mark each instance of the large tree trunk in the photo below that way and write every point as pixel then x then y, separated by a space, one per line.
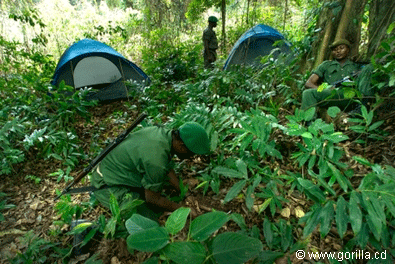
pixel 223 12
pixel 350 24
pixel 327 22
pixel 339 19
pixel 381 15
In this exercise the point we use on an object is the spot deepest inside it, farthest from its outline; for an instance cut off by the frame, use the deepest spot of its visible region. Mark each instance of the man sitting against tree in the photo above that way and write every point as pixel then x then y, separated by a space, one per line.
pixel 331 72
pixel 139 167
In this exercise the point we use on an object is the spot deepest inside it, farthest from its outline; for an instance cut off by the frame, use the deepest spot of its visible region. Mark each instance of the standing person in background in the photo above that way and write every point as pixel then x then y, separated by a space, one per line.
pixel 210 43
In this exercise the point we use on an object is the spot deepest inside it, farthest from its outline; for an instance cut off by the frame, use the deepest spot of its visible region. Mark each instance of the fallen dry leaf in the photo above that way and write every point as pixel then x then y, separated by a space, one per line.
pixel 286 212
pixel 299 212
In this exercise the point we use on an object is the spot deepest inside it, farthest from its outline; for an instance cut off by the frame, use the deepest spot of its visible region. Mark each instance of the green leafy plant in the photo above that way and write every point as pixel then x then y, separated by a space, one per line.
pixel 67 209
pixel 365 126
pixel 34 178
pixel 4 205
pixel 38 250
pixel 255 135
pixel 229 247
pixel 368 208
pixel 319 145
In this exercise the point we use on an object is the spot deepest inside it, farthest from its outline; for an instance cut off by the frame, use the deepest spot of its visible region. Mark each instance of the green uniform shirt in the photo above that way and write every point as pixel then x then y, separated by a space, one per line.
pixel 209 35
pixel 332 71
pixel 142 160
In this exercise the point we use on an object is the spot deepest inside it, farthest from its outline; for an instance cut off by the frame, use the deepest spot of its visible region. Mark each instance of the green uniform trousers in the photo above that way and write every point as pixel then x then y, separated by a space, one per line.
pixel 123 195
pixel 311 97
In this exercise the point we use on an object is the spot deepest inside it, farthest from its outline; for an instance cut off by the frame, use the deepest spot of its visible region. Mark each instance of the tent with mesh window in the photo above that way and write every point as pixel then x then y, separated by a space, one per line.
pixel 93 64
pixel 255 43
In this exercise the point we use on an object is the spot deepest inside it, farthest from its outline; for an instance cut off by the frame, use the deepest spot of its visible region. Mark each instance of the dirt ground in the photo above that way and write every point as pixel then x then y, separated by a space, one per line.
pixel 35 202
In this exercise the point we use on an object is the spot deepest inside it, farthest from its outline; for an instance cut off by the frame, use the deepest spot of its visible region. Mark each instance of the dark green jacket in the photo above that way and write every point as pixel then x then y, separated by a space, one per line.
pixel 332 71
pixel 141 160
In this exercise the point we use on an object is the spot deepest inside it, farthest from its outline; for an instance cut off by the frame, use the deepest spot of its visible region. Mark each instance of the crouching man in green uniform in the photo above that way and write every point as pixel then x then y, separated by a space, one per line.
pixel 331 72
pixel 140 165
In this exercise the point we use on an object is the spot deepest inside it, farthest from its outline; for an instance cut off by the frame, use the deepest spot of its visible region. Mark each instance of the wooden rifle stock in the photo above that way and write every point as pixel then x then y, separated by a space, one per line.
pixel 104 153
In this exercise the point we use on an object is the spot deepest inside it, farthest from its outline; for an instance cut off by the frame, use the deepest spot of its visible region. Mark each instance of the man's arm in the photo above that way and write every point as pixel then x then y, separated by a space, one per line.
pixel 313 81
pixel 160 201
pixel 174 180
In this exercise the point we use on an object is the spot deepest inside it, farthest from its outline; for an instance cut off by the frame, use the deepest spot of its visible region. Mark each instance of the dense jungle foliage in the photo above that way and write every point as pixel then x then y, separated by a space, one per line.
pixel 277 181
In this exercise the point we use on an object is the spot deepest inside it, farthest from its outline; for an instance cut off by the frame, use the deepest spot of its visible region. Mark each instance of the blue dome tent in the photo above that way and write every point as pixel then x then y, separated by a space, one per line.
pixel 255 43
pixel 90 63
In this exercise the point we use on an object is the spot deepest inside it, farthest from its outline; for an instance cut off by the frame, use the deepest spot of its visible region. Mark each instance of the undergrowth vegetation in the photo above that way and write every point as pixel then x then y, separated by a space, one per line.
pixel 263 153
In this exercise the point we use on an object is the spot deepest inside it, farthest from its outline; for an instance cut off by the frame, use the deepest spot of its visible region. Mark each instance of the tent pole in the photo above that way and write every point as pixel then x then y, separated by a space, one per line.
pixel 72 72
pixel 123 77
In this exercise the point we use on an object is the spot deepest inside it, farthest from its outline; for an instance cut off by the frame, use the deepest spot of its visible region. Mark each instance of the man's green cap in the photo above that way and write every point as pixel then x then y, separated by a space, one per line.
pixel 340 42
pixel 212 19
pixel 195 138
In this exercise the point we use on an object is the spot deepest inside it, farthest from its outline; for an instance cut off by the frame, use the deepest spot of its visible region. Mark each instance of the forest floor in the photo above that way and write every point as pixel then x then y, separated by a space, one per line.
pixel 35 202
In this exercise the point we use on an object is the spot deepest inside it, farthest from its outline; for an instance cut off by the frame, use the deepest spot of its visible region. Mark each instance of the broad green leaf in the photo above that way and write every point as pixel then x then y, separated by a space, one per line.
pixel 214 141
pixel 309 114
pixel 312 221
pixel 235 190
pixel 149 240
pixel 307 135
pixel 268 232
pixel 312 190
pixel 265 204
pixel 242 167
pixel 114 207
pixel 341 216
pixel 323 86
pixel 305 157
pixel 246 141
pixel 138 223
pixel 348 92
pixel 363 236
pixel 390 28
pixel 327 215
pixel 110 227
pixel 269 257
pixel 321 180
pixel 375 225
pixel 183 252
pixel 249 198
pixel 78 229
pixel 362 161
pixel 355 213
pixel 378 207
pixel 286 235
pixel 312 161
pixel 235 248
pixel 129 208
pixel 375 125
pixel 341 179
pixel 333 111
pixel 336 137
pixel 228 172
pixel 89 236
pixel 390 203
pixel 177 220
pixel 204 225
pixel 239 219
pixel 392 80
